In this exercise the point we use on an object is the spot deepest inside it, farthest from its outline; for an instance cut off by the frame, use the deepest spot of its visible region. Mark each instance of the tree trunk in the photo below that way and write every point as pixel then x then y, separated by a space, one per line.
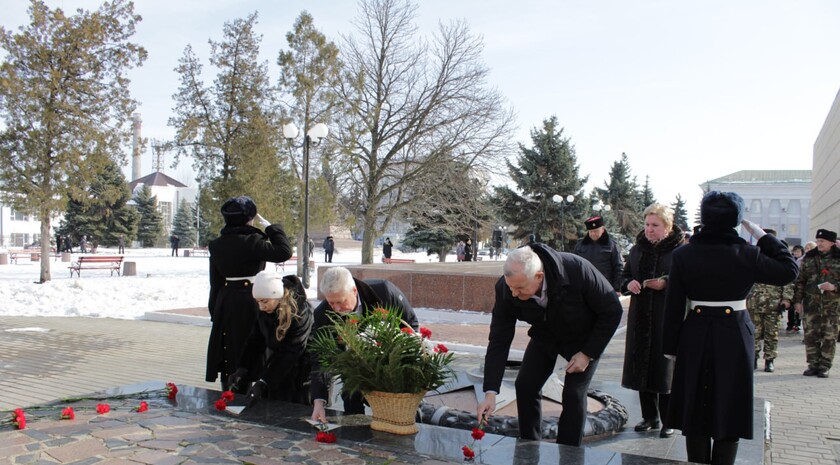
pixel 45 248
pixel 369 236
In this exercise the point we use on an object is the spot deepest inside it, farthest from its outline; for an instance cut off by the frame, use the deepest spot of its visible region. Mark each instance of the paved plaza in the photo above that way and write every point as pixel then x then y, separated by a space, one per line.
pixel 43 359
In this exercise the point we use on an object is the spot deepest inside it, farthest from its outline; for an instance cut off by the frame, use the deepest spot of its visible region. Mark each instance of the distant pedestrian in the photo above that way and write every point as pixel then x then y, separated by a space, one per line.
pixel 83 244
pixel 58 244
pixel 387 250
pixel 468 251
pixel 175 241
pixel 459 250
pixel 329 247
pixel 121 244
pixel 68 244
pixel 311 248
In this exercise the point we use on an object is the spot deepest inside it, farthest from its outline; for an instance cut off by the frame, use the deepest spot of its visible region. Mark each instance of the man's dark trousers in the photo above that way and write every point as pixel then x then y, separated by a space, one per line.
pixel 537 365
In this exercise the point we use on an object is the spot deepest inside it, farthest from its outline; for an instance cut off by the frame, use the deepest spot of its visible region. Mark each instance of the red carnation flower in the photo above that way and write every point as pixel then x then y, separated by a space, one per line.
pixel 171 390
pixel 221 405
pixel 227 396
pixel 425 333
pixel 323 436
pixel 68 414
pixel 142 407
pixel 102 408
pixel 824 271
pixel 407 330
pixel 441 348
pixel 468 453
pixel 477 434
pixel 19 418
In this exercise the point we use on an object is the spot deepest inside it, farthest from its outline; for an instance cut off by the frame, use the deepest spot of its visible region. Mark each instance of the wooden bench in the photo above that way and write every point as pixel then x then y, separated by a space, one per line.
pixel 32 254
pixel 200 251
pixel 96 262
pixel 398 260
pixel 281 266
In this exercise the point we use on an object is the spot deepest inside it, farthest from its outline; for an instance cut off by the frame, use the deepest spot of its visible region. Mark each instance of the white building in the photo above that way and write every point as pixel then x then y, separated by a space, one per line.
pixel 825 210
pixel 18 229
pixel 776 199
pixel 169 193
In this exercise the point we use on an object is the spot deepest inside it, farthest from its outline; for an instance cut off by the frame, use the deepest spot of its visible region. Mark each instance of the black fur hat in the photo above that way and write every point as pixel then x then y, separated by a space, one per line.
pixel 239 210
pixel 721 209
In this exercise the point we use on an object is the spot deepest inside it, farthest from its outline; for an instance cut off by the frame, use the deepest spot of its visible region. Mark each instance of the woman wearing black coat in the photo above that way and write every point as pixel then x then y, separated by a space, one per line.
pixel 468 251
pixel 709 331
pixel 236 256
pixel 645 279
pixel 275 358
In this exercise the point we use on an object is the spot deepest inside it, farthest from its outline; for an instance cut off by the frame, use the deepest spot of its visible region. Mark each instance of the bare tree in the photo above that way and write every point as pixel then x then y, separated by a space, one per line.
pixel 410 104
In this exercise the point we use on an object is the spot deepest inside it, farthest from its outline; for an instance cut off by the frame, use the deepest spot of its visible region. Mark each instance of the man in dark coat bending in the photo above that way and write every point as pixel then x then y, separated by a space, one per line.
pixel 573 312
pixel 345 294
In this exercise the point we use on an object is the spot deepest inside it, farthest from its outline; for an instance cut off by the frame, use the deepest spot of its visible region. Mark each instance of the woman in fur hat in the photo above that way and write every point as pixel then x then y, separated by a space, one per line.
pixel 708 330
pixel 275 358
pixel 236 256
pixel 646 279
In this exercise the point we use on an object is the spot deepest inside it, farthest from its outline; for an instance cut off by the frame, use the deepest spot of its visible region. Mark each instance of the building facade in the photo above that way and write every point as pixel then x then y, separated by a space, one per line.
pixel 18 229
pixel 825 189
pixel 777 199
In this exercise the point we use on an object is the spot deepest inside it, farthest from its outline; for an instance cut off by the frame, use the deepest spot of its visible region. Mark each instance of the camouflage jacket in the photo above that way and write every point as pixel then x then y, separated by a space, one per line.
pixel 765 298
pixel 818 268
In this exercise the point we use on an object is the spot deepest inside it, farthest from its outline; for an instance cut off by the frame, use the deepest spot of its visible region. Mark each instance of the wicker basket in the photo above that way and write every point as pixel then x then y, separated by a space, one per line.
pixel 394 413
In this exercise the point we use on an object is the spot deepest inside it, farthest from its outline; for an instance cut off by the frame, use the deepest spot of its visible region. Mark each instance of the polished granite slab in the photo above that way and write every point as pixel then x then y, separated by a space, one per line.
pixel 626 447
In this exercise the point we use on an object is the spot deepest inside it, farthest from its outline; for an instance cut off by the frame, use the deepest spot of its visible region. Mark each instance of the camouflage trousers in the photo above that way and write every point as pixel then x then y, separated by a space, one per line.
pixel 820 339
pixel 766 333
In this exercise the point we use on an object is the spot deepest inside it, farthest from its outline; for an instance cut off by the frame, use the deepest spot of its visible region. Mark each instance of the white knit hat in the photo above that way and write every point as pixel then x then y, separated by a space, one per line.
pixel 268 285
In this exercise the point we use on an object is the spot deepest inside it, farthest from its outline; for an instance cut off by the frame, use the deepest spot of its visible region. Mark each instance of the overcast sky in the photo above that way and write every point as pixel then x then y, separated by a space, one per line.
pixel 691 91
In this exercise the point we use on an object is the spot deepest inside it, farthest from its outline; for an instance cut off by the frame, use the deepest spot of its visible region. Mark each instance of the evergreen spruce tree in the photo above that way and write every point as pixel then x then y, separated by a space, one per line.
pixel 151 220
pixel 546 169
pixel 183 225
pixel 102 212
pixel 620 193
pixel 680 214
pixel 646 196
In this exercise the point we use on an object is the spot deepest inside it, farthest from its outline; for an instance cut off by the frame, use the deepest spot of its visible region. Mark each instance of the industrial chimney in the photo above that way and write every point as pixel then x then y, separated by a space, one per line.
pixel 135 146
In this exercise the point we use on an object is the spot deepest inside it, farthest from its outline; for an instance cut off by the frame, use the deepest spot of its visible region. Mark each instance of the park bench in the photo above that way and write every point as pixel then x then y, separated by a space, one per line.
pixel 200 251
pixel 398 260
pixel 281 266
pixel 32 254
pixel 96 262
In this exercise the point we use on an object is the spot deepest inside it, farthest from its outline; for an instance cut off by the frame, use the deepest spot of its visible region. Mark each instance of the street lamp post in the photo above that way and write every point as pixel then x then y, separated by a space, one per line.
pixel 316 133
pixel 557 198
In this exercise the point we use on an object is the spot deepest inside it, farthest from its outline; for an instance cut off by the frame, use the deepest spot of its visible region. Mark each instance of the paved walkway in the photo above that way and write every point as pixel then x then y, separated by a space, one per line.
pixel 43 359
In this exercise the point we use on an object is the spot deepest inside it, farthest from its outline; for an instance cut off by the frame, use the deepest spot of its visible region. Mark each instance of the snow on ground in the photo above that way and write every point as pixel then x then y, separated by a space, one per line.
pixel 163 282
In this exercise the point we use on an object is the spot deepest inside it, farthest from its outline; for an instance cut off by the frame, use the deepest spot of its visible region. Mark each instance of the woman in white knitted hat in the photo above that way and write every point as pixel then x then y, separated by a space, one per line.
pixel 275 363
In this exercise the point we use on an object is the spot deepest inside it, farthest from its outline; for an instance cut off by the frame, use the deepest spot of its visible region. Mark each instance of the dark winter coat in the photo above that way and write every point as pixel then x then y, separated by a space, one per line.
pixel 468 252
pixel 582 315
pixel 715 349
pixel 372 293
pixel 604 254
pixel 329 244
pixel 240 251
pixel 386 249
pixel 645 367
pixel 283 365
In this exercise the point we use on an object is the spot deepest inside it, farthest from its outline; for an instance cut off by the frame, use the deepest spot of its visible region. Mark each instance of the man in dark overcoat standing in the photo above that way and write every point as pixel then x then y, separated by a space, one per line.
pixel 708 330
pixel 236 256
pixel 573 312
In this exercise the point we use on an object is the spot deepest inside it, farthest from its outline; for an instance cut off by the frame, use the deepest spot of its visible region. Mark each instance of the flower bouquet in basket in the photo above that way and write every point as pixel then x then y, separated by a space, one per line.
pixel 382 357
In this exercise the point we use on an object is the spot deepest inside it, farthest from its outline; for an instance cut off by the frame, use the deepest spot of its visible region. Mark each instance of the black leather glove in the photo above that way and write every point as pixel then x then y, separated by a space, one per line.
pixel 236 379
pixel 257 391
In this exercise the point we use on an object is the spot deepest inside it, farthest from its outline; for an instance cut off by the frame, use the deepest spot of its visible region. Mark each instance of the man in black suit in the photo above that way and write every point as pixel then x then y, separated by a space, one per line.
pixel 573 312
pixel 345 295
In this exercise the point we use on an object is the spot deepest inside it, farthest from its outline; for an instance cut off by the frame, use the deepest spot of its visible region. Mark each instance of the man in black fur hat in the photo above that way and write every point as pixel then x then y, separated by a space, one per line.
pixel 599 248
pixel 817 291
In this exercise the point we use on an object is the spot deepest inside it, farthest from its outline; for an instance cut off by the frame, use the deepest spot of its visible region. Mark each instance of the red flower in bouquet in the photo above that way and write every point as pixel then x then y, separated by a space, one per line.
pixel 407 330
pixel 102 408
pixel 142 407
pixel 441 348
pixel 326 437
pixel 824 271
pixel 381 311
pixel 68 414
pixel 171 390
pixel 221 404
pixel 469 454
pixel 477 434
pixel 19 418
pixel 425 333
pixel 227 396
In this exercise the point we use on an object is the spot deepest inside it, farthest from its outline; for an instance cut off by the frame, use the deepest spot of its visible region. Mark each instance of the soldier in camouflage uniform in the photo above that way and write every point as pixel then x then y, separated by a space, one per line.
pixel 766 304
pixel 818 288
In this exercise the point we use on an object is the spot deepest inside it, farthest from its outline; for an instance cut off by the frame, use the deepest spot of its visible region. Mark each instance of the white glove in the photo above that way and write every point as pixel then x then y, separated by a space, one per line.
pixel 264 222
pixel 753 229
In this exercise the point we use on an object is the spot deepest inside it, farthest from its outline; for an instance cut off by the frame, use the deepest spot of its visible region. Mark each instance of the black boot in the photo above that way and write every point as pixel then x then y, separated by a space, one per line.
pixel 698 449
pixel 724 452
pixel 768 366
